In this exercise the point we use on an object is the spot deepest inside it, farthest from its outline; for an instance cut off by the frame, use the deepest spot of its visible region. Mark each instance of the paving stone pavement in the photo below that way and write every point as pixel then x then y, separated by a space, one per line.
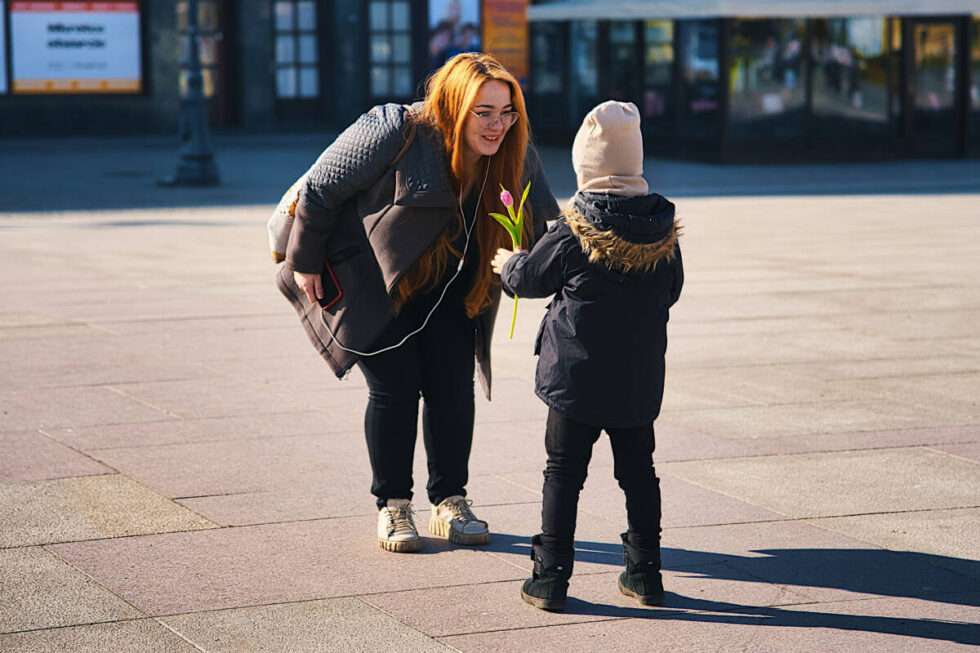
pixel 180 472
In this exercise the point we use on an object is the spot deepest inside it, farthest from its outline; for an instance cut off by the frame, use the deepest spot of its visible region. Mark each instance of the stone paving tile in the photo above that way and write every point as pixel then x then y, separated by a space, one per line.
pixel 61 364
pixel 898 367
pixel 963 346
pixel 216 338
pixel 501 447
pixel 811 418
pixel 720 351
pixel 947 538
pixel 936 438
pixel 913 325
pixel 28 409
pixel 207 429
pixel 850 344
pixel 31 456
pixel 953 394
pixel 760 306
pixel 236 466
pixel 67 331
pixel 968 450
pixel 758 385
pixel 675 442
pixel 512 399
pixel 592 597
pixel 300 374
pixel 846 626
pixel 208 397
pixel 842 483
pixel 320 497
pixel 679 326
pixel 41 591
pixel 85 508
pixel 344 405
pixel 162 305
pixel 257 565
pixel 810 561
pixel 342 625
pixel 927 299
pixel 137 636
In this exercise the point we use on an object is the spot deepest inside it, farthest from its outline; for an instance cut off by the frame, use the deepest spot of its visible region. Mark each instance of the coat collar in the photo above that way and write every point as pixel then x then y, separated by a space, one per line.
pixel 617 253
pixel 422 174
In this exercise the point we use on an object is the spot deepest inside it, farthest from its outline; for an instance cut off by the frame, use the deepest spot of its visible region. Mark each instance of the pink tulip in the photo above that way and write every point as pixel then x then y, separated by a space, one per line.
pixel 507 198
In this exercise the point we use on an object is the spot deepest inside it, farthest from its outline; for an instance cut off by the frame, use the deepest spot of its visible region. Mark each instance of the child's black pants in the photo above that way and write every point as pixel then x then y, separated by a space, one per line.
pixel 569 446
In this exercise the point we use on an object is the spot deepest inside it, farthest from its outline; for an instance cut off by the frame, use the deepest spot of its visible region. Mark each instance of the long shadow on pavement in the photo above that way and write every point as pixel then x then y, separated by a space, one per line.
pixel 877 572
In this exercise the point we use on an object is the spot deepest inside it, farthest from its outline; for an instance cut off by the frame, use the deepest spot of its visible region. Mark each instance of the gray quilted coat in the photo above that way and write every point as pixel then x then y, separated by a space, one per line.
pixel 372 221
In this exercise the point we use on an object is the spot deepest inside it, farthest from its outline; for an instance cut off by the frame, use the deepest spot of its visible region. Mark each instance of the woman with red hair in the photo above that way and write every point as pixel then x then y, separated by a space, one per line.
pixel 392 236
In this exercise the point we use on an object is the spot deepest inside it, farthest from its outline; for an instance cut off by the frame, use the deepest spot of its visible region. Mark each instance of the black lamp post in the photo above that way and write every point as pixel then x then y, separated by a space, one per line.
pixel 195 166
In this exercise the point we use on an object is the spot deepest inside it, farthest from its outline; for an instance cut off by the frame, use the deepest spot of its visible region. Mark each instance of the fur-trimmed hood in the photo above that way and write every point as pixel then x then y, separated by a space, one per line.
pixel 629 235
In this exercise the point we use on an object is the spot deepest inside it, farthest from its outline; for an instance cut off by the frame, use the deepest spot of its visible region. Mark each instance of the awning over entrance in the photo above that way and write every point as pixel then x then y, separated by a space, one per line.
pixel 654 9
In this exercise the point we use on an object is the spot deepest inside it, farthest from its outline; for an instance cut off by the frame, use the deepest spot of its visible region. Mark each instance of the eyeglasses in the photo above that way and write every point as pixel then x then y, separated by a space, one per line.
pixel 488 119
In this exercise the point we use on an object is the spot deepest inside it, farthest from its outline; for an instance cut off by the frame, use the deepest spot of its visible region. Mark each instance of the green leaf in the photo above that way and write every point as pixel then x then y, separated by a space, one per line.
pixel 502 219
pixel 520 209
pixel 511 228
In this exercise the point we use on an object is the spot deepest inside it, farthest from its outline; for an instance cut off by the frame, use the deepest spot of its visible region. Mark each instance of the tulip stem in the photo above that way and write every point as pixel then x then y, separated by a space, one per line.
pixel 513 319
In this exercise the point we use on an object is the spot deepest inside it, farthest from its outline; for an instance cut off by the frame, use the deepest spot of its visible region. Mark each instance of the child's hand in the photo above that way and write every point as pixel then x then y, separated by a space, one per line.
pixel 503 255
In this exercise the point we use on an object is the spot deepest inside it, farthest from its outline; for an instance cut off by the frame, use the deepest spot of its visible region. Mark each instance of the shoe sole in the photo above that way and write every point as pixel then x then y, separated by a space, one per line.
pixel 551 605
pixel 644 599
pixel 402 546
pixel 442 529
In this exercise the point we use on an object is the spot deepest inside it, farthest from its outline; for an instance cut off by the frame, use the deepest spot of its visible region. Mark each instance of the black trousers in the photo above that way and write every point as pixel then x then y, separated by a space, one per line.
pixel 436 365
pixel 569 446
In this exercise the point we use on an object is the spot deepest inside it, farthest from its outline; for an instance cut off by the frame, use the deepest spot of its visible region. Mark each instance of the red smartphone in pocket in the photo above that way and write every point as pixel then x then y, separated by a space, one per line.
pixel 331 289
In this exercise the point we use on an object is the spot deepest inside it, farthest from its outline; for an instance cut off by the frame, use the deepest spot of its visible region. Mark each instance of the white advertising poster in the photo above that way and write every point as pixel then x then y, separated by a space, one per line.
pixel 75 47
pixel 3 52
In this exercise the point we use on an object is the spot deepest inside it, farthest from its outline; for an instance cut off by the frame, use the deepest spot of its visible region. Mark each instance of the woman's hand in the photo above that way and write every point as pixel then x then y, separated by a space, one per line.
pixel 310 284
pixel 503 255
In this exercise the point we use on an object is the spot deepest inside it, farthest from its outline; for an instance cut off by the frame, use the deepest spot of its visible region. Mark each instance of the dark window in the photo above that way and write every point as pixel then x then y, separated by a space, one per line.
pixel 546 62
pixel 624 73
pixel 934 78
pixel 657 106
pixel 698 53
pixel 583 78
pixel 547 102
pixel 390 50
pixel 850 79
pixel 895 77
pixel 975 82
pixel 297 53
pixel 768 79
pixel 208 41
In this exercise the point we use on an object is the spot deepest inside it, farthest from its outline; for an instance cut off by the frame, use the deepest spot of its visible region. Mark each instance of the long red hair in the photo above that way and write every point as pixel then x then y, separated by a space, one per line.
pixel 450 95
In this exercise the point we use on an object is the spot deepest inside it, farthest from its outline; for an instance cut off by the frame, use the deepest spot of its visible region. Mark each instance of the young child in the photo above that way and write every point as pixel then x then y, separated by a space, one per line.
pixel 614 266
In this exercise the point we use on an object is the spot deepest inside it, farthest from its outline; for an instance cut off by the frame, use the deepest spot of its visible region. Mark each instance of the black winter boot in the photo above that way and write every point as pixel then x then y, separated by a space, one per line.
pixel 548 585
pixel 642 579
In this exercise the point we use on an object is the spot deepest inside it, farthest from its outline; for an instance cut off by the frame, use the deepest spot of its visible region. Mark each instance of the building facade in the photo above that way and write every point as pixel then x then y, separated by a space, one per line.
pixel 766 80
pixel 724 80
pixel 93 68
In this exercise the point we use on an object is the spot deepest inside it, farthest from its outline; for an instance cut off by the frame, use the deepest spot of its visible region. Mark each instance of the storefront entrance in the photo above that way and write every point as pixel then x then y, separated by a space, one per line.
pixel 935 122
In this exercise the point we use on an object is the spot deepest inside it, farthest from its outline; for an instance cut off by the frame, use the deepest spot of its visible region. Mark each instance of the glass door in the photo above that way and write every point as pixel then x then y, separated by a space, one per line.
pixel 933 88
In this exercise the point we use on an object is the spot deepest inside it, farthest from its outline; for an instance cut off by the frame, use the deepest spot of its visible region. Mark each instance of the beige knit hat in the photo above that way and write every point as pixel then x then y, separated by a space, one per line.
pixel 608 151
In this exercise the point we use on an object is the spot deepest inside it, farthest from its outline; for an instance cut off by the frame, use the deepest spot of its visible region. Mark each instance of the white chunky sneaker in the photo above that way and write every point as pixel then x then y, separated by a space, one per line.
pixel 396 527
pixel 454 520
